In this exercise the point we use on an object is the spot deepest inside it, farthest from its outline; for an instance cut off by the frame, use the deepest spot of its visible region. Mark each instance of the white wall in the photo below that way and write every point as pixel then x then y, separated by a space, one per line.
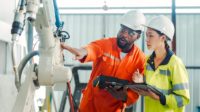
pixel 7 10
pixel 8 90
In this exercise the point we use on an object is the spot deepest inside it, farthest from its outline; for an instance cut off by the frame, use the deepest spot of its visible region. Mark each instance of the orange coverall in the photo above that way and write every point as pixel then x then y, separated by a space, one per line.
pixel 105 55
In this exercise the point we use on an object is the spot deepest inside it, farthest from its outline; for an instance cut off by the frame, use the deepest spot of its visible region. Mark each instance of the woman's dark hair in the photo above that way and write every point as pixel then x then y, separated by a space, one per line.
pixel 166 45
pixel 160 34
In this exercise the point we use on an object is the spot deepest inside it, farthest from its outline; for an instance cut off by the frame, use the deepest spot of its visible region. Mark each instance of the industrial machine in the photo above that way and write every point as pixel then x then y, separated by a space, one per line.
pixel 44 16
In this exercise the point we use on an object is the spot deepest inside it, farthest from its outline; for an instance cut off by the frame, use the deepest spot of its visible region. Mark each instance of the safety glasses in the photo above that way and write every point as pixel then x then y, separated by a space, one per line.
pixel 130 32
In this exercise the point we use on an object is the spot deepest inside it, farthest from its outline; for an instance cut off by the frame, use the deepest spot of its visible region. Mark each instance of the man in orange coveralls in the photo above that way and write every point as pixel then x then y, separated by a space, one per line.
pixel 116 57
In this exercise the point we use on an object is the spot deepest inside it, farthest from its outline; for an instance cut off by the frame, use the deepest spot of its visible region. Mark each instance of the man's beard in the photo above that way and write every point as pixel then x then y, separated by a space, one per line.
pixel 123 44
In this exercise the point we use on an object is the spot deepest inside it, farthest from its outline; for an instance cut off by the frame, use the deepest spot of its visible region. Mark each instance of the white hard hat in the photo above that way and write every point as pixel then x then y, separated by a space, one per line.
pixel 162 24
pixel 134 20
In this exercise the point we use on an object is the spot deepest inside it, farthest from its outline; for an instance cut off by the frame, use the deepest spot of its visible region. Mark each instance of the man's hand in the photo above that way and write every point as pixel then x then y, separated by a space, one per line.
pixel 79 53
pixel 120 94
pixel 137 77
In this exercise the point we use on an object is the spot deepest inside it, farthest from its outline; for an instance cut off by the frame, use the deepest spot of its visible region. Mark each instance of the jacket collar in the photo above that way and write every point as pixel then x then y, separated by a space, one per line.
pixel 164 62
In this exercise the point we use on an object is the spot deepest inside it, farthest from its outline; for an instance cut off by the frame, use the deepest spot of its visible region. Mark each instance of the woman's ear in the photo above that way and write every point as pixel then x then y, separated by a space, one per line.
pixel 164 37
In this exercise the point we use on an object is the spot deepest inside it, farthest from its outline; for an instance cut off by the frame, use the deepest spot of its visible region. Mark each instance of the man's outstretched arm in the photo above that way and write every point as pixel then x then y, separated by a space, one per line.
pixel 79 53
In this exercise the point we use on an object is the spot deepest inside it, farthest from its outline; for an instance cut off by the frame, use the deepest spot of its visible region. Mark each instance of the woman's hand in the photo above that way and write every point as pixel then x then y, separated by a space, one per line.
pixel 153 95
pixel 147 93
pixel 137 77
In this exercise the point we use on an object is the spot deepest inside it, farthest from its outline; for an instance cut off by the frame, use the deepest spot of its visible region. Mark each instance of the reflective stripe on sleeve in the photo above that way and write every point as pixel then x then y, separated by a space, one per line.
pixel 181 86
pixel 179 100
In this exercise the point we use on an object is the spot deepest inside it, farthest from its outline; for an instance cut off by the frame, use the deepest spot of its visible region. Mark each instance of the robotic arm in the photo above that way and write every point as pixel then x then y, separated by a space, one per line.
pixel 50 69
